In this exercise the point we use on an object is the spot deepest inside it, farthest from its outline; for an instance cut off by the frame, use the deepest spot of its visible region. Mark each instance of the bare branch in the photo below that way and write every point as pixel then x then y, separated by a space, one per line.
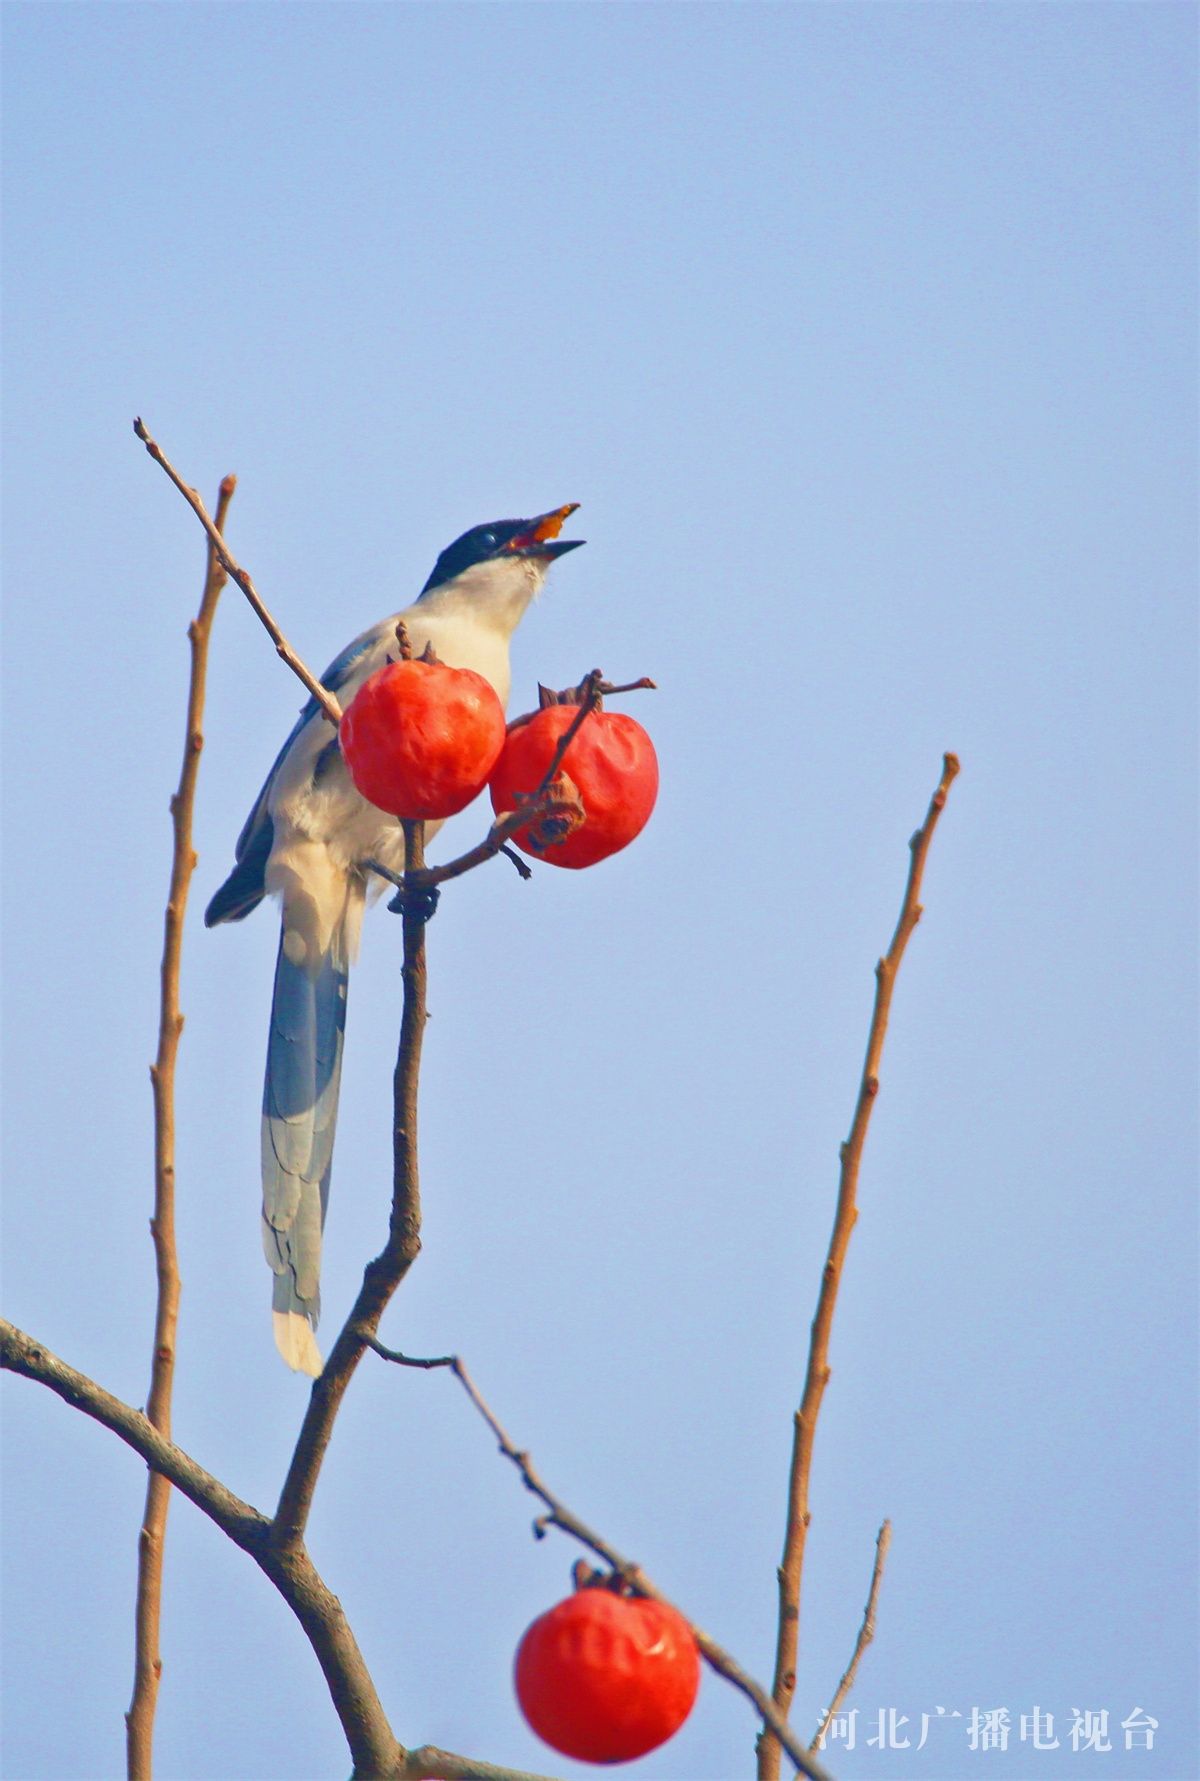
pixel 234 570
pixel 139 1721
pixel 817 1374
pixel 558 1515
pixel 866 1631
pixel 403 1245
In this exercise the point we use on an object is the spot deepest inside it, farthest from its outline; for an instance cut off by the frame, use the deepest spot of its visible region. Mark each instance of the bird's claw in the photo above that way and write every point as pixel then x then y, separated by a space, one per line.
pixel 416 901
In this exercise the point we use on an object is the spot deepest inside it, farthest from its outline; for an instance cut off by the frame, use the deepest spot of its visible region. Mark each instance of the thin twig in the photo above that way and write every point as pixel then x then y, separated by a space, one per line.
pixel 644 685
pixel 234 570
pixel 559 1516
pixel 139 1721
pixel 384 1274
pixel 817 1374
pixel 556 800
pixel 511 854
pixel 866 1633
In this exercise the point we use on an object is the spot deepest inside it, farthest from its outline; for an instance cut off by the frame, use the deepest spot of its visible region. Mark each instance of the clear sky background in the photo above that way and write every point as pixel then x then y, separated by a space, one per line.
pixel 865 337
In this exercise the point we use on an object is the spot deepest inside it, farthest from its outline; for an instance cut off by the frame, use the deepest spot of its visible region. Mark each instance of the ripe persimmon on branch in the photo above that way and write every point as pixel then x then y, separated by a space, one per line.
pixel 544 795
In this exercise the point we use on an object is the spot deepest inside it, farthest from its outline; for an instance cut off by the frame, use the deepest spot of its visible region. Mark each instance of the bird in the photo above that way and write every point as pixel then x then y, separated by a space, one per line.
pixel 312 840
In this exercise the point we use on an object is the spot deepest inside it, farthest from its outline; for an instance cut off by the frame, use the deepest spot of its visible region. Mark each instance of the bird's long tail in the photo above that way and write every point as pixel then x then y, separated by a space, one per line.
pixel 299 1116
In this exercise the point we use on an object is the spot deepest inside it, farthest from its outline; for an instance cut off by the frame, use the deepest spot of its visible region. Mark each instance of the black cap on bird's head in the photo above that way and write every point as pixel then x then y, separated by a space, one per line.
pixel 502 539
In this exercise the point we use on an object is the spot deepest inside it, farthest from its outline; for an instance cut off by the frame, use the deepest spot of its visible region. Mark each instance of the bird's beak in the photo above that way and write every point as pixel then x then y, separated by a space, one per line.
pixel 540 539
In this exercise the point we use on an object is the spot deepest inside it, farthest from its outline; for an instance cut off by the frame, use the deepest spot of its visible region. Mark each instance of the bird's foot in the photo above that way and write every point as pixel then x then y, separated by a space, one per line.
pixel 416 901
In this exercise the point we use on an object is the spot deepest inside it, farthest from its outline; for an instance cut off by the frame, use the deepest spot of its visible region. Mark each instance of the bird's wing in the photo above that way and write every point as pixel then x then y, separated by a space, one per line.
pixel 245 887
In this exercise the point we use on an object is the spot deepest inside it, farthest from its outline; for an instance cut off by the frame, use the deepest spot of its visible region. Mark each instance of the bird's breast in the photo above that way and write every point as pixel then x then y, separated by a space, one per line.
pixel 313 796
pixel 462 641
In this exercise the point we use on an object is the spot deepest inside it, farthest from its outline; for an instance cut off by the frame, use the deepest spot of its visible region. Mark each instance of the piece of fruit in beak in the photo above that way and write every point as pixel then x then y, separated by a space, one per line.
pixel 545 528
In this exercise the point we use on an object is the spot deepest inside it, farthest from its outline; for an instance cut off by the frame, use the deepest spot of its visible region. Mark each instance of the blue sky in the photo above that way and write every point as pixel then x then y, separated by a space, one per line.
pixel 865 337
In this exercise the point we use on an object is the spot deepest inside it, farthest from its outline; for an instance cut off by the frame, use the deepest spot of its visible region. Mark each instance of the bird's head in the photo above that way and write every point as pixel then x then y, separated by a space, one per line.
pixel 508 555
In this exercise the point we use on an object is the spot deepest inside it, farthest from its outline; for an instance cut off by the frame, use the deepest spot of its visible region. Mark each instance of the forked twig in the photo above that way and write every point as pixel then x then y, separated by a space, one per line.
pixel 139 1720
pixel 552 802
pixel 559 1516
pixel 817 1374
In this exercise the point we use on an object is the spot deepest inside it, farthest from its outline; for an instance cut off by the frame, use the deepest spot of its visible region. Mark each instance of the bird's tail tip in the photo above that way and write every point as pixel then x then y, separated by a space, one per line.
pixel 296 1343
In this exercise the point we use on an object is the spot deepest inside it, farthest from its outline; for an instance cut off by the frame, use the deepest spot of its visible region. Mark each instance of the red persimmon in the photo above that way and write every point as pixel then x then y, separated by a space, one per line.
pixel 612 764
pixel 607 1677
pixel 420 738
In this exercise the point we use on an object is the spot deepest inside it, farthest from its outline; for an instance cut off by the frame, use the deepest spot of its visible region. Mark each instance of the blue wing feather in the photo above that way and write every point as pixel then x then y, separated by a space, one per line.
pixel 245 887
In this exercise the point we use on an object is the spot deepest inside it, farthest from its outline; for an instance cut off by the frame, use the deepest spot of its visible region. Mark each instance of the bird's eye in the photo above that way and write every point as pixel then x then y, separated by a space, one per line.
pixel 489 538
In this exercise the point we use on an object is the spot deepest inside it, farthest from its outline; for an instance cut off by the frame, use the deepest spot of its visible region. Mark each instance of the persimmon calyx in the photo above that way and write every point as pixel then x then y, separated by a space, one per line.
pixel 562 812
pixel 586 1576
pixel 592 690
